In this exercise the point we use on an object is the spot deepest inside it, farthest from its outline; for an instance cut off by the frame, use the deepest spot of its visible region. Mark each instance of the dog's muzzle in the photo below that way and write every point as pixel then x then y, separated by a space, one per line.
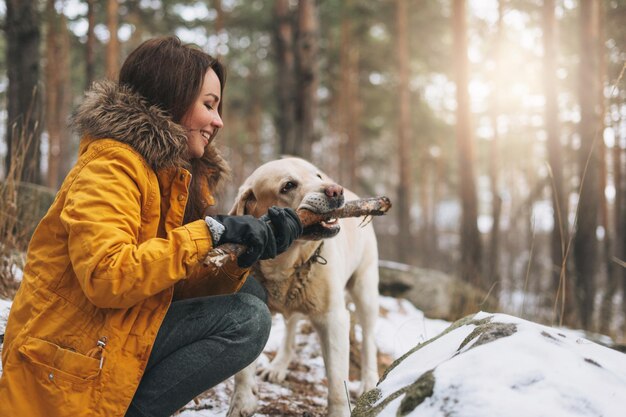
pixel 320 203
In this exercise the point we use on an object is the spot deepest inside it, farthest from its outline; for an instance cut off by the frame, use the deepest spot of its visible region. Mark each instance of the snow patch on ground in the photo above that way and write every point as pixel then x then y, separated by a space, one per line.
pixel 5 306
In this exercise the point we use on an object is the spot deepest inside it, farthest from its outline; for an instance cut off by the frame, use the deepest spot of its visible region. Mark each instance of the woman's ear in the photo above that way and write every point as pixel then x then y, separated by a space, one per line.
pixel 244 204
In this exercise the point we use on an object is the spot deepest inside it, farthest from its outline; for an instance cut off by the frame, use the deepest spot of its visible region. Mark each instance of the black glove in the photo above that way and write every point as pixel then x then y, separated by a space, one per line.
pixel 261 240
pixel 254 233
pixel 287 226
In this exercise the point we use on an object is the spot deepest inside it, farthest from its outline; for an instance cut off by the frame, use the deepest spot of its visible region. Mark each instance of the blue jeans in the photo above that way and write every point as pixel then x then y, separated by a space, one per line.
pixel 202 342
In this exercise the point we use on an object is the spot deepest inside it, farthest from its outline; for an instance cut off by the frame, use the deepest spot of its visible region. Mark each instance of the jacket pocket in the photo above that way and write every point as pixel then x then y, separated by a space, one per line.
pixel 58 364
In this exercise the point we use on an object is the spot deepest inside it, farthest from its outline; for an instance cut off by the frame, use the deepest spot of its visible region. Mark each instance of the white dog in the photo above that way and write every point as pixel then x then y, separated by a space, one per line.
pixel 310 279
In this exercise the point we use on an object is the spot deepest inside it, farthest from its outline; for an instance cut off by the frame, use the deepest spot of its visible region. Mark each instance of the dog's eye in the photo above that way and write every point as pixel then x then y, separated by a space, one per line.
pixel 319 176
pixel 289 185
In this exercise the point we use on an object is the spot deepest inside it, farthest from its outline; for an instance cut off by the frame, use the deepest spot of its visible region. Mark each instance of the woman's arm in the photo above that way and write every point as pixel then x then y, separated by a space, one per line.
pixel 103 217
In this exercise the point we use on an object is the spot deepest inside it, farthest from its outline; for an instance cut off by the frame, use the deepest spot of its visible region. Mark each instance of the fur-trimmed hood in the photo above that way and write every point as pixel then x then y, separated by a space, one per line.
pixel 110 110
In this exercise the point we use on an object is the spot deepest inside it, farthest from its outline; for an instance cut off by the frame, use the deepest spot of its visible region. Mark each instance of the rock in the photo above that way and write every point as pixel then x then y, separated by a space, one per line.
pixel 438 295
pixel 495 365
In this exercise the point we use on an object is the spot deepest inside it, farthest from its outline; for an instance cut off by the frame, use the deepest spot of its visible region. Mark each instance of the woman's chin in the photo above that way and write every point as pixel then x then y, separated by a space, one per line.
pixel 195 153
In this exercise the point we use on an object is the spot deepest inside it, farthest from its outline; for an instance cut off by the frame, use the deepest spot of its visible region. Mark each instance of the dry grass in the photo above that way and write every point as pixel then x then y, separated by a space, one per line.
pixel 14 210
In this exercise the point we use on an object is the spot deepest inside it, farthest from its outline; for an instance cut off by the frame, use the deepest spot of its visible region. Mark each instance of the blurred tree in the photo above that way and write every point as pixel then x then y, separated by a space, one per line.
pixel 349 101
pixel 405 248
pixel 285 73
pixel 22 31
pixel 612 271
pixel 58 92
pixel 307 51
pixel 113 46
pixel 493 260
pixel 562 289
pixel 90 44
pixel 220 22
pixel 470 237
pixel 616 64
pixel 586 241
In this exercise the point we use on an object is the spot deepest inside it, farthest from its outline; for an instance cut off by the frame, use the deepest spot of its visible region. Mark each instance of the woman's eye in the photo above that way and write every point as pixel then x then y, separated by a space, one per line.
pixel 290 185
pixel 208 106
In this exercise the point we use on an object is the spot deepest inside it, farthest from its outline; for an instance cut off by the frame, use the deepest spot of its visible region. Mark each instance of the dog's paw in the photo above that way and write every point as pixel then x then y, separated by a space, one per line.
pixel 243 403
pixel 273 373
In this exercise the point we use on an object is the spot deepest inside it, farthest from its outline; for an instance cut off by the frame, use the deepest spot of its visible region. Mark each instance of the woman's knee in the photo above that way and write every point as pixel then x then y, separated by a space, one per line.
pixel 254 287
pixel 255 328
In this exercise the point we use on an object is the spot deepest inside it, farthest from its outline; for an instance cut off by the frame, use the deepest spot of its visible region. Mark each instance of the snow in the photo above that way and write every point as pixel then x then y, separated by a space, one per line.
pixel 403 326
pixel 536 371
pixel 4 315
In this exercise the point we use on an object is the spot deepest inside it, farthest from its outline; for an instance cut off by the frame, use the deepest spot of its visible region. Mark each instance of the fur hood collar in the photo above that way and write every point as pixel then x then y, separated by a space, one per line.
pixel 113 111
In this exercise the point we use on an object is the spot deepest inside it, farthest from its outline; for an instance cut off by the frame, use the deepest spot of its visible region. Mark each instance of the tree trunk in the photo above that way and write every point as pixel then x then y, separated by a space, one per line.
pixel 470 237
pixel 68 149
pixel 493 273
pixel 559 237
pixel 612 272
pixel 219 24
pixel 285 82
pixel 619 164
pixel 253 121
pixel 426 247
pixel 90 45
pixel 349 102
pixel 113 47
pixel 23 98
pixel 57 92
pixel 585 243
pixel 405 247
pixel 307 77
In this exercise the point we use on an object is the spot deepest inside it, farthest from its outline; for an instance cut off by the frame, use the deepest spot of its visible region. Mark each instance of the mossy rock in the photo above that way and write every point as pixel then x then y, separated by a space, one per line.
pixel 370 404
pixel 438 295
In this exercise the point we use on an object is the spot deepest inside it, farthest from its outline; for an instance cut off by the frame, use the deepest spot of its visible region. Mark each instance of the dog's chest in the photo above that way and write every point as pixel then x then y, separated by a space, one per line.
pixel 294 290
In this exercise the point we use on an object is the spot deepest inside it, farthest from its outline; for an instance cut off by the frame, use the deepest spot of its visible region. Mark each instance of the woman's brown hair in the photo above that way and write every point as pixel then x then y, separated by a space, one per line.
pixel 170 74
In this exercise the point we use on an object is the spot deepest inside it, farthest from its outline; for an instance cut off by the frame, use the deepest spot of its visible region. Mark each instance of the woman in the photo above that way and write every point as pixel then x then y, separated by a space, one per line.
pixel 93 330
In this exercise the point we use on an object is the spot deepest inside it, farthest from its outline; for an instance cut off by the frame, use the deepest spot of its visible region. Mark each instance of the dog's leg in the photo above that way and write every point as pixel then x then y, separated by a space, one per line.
pixel 244 400
pixel 334 328
pixel 365 296
pixel 276 371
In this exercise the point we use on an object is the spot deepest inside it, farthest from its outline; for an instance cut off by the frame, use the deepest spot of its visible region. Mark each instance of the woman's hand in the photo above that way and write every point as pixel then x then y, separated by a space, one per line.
pixel 264 238
pixel 286 226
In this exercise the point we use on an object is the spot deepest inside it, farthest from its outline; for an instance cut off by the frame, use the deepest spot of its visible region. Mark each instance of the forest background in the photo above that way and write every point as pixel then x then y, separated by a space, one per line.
pixel 496 127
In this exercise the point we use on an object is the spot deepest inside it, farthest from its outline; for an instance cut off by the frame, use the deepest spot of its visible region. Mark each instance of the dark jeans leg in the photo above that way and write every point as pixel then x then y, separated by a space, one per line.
pixel 202 342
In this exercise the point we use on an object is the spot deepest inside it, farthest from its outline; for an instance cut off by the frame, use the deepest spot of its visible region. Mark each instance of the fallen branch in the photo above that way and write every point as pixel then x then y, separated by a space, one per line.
pixel 376 206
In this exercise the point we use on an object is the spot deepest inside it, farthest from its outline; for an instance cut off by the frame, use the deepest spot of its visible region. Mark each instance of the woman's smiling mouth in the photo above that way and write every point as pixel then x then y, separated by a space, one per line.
pixel 206 135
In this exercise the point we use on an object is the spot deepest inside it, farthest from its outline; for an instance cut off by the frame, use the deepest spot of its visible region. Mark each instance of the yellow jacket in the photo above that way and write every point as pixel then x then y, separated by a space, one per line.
pixel 105 262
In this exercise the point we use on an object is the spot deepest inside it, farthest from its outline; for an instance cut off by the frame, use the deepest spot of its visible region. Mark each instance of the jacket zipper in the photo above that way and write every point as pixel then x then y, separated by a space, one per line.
pixel 101 344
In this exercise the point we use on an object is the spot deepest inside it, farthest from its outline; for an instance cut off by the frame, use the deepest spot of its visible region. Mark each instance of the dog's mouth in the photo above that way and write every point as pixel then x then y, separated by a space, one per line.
pixel 320 204
pixel 325 229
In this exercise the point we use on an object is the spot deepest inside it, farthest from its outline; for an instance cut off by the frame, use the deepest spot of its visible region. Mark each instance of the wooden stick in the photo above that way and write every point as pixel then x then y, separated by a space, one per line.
pixel 375 206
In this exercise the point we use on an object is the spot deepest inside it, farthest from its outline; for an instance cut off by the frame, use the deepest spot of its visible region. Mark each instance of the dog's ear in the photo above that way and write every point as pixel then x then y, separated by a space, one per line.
pixel 244 203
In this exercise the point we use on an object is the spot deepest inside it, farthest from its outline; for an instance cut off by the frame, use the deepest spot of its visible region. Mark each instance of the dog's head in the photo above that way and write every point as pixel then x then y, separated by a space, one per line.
pixel 295 183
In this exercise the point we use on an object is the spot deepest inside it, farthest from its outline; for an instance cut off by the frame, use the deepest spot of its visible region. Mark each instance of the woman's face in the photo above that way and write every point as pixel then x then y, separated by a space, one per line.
pixel 202 119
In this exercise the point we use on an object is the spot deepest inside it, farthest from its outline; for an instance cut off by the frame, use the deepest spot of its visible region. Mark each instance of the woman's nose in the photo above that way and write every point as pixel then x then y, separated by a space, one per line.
pixel 217 121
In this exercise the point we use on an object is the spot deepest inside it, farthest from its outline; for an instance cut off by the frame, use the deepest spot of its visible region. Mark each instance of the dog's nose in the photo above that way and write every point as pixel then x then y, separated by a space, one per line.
pixel 334 191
